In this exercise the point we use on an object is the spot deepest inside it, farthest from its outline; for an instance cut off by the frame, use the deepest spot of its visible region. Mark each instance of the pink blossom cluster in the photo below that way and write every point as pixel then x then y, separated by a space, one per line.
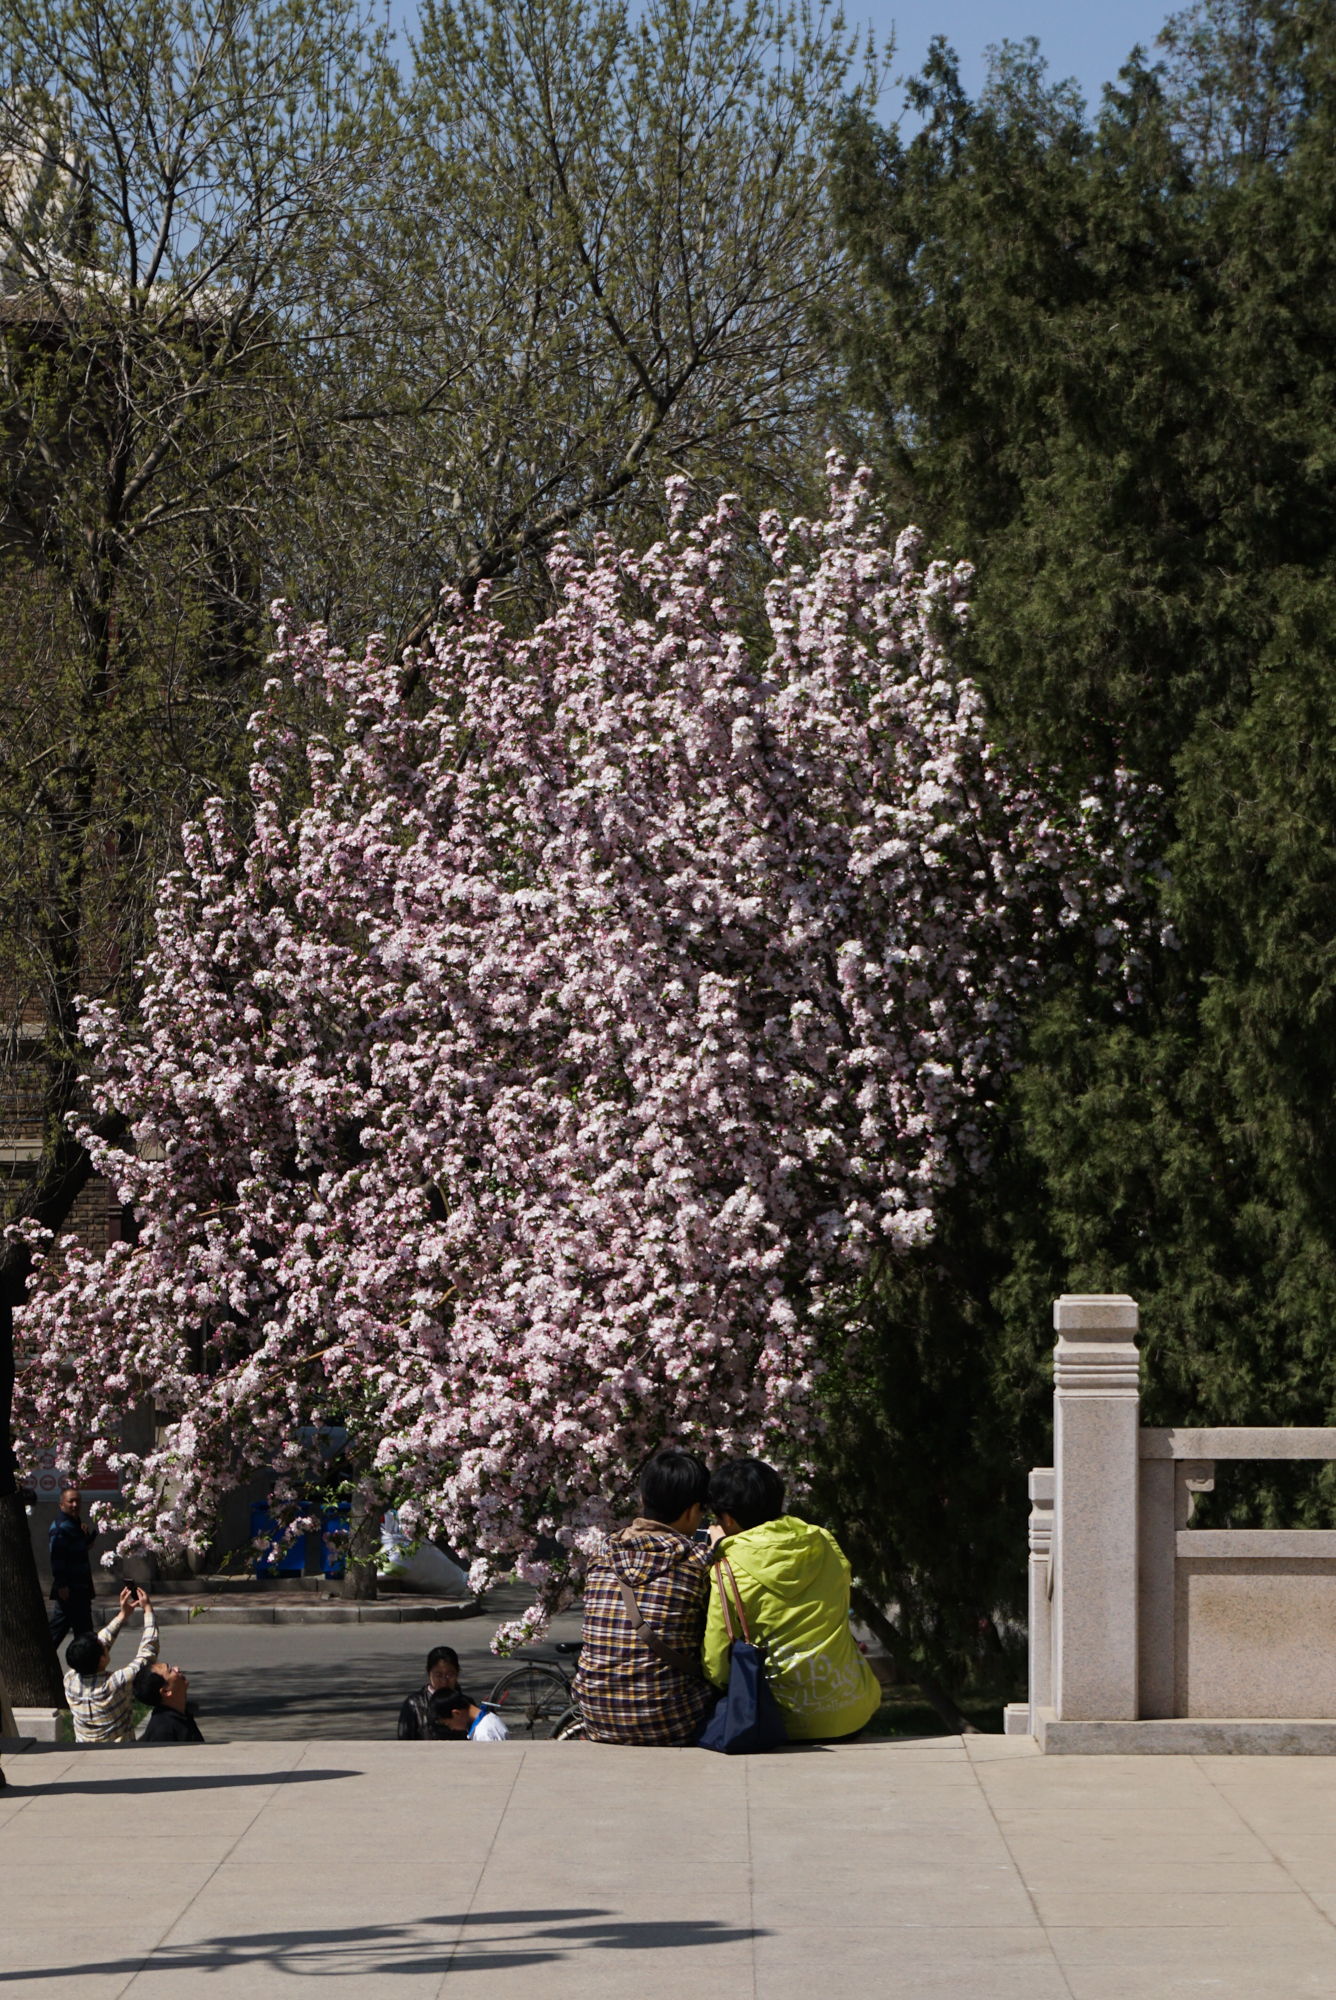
pixel 512 1103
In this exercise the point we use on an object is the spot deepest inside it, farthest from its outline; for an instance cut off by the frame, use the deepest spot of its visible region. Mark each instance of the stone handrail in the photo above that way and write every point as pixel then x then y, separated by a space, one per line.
pixel 1241 1443
pixel 1146 1632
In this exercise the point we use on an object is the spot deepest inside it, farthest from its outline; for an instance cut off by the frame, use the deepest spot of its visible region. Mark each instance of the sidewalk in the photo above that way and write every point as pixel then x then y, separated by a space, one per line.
pixel 939 1870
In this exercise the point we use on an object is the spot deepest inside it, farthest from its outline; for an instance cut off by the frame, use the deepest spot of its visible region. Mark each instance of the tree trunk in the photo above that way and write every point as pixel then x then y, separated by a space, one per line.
pixel 932 1691
pixel 360 1574
pixel 29 1665
pixel 28 1659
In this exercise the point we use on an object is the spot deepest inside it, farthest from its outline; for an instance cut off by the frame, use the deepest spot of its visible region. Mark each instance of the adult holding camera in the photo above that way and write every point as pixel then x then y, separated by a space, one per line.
pixel 442 1678
pixel 102 1702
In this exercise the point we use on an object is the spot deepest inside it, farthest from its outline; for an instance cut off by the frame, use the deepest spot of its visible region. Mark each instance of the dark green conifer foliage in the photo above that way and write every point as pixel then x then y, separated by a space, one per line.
pixel 1102 358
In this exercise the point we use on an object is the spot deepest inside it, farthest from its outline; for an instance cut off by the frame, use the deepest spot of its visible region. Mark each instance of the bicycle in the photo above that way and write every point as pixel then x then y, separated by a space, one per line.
pixel 537 1698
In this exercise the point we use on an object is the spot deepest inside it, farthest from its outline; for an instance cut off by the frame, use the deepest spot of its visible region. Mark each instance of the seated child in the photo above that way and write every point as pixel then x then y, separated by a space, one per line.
pixel 453 1715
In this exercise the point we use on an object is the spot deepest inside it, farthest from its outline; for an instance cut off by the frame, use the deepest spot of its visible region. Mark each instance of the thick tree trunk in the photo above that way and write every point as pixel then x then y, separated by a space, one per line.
pixel 28 1659
pixel 932 1691
pixel 29 1665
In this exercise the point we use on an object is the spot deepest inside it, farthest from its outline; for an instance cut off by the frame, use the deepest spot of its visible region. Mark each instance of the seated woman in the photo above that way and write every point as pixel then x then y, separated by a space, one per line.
pixel 793 1580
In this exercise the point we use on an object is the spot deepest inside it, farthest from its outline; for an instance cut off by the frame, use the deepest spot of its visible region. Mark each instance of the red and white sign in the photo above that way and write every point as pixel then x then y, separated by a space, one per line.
pixel 46 1479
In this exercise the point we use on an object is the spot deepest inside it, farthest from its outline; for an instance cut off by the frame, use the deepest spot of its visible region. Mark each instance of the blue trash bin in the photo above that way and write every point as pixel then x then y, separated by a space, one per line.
pixel 292 1561
pixel 333 1561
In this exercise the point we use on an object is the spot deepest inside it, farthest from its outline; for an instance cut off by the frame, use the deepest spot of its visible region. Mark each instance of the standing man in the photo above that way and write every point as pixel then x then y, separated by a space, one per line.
pixel 71 1571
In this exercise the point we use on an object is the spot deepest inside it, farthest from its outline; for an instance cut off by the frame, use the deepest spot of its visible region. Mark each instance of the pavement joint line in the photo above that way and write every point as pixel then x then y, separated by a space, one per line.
pixel 462 1925
pixel 1018 1871
pixel 280 1779
pixel 751 1871
pixel 1261 1838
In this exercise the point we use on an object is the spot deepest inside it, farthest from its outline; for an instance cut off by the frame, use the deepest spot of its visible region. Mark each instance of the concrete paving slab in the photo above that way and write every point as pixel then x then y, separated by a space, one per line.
pixel 1002 1964
pixel 1171 1908
pixel 1190 1951
pixel 939 1870
pixel 1063 1784
pixel 1278 1969
pixel 905 1882
pixel 1214 1861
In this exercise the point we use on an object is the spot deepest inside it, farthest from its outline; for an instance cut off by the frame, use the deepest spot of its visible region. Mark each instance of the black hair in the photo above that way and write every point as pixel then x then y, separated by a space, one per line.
pixel 672 1482
pixel 83 1655
pixel 439 1653
pixel 446 1701
pixel 748 1489
pixel 149 1685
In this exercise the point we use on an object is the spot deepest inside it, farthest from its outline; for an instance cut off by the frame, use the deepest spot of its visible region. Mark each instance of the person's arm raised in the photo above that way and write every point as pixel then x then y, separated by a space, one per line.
pixel 148 1644
pixel 108 1633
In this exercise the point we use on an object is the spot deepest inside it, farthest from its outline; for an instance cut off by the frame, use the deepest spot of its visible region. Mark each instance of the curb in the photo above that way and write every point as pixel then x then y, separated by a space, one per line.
pixel 219 1612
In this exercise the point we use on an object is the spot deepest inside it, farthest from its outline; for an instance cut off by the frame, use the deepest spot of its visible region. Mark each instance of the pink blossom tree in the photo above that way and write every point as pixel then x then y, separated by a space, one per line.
pixel 512 1103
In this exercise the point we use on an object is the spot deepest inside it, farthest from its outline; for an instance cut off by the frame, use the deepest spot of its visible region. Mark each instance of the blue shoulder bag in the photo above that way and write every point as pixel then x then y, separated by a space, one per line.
pixel 748 1717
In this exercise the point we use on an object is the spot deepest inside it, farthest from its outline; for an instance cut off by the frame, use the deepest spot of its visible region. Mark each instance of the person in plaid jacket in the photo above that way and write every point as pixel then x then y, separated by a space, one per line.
pixel 639 1679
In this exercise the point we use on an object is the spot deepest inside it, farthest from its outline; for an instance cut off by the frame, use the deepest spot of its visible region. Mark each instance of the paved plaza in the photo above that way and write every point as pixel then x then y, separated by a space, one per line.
pixel 943 1870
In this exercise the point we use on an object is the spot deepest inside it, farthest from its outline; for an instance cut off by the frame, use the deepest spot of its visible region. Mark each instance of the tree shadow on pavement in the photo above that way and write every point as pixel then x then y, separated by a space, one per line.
pixel 520 1937
pixel 140 1782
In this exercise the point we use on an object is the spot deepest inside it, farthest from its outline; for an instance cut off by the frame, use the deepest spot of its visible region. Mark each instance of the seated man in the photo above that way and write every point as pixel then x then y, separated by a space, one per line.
pixel 639 1678
pixel 163 1690
pixel 452 1714
pixel 100 1701
pixel 442 1678
pixel 793 1580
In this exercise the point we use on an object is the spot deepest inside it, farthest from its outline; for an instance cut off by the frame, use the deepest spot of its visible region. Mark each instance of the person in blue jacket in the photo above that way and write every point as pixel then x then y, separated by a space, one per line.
pixel 71 1571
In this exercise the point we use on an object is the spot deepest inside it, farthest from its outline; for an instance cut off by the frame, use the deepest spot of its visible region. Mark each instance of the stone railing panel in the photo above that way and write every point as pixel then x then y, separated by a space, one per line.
pixel 1135 1615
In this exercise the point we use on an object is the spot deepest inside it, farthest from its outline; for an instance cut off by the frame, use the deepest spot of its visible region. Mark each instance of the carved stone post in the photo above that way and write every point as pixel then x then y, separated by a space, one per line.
pixel 1096 1399
pixel 1041 1621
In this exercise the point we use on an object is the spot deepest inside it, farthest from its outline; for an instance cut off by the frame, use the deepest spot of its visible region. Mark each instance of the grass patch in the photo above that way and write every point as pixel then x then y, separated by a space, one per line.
pixel 65 1721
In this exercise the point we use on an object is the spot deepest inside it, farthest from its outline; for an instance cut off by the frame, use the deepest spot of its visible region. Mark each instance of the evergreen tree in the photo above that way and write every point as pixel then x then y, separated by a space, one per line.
pixel 1100 356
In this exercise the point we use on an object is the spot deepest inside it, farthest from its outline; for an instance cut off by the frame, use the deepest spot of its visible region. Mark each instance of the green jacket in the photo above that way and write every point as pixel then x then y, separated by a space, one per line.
pixel 794 1583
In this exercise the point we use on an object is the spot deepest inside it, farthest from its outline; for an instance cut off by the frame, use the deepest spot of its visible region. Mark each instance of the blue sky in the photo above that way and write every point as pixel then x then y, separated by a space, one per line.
pixel 1079 39
pixel 1087 42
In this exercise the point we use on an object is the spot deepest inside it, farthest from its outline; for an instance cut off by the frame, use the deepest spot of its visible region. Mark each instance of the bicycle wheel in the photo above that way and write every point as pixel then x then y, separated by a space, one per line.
pixel 569 1727
pixel 531 1699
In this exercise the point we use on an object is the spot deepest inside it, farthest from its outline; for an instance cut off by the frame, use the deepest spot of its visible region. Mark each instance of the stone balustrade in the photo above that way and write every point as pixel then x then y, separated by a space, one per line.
pixel 1145 1633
